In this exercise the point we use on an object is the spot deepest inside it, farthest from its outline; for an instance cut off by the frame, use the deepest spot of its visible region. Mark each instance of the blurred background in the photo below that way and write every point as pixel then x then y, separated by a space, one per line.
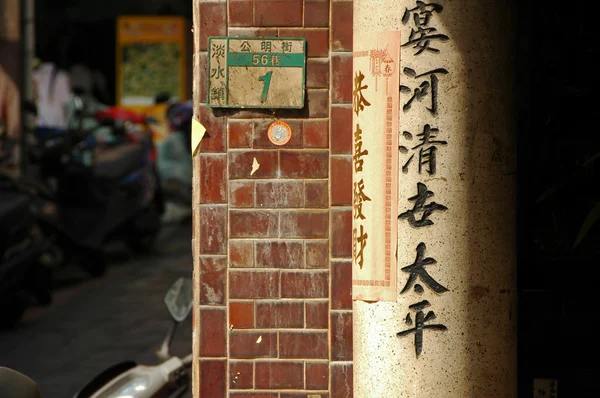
pixel 95 185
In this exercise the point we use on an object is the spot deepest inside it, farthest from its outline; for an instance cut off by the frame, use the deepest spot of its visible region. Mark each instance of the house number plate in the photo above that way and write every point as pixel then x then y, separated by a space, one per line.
pixel 246 72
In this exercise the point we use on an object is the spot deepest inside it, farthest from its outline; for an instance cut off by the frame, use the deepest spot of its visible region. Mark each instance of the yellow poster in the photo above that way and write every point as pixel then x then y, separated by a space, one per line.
pixel 151 60
pixel 375 103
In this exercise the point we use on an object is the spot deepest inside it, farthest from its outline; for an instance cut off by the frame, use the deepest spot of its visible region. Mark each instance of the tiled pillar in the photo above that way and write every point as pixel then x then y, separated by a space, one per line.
pixel 452 331
pixel 273 248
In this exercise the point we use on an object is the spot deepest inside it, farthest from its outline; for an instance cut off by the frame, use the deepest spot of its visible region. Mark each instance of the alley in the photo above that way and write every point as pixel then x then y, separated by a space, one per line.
pixel 93 324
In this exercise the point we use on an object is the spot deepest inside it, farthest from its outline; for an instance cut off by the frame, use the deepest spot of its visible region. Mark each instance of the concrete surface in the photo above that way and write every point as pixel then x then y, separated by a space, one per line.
pixel 95 323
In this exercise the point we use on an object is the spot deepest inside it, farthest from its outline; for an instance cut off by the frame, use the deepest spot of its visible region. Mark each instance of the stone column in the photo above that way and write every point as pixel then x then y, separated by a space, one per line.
pixel 457 178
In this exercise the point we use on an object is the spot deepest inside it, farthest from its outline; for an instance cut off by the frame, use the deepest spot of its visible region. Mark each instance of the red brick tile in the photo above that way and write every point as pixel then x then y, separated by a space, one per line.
pixel 241 375
pixel 202 65
pixel 316 194
pixel 341 181
pixel 213 272
pixel 279 314
pixel 212 333
pixel 241 254
pixel 213 229
pixel 341 380
pixel 213 184
pixel 304 284
pixel 253 32
pixel 311 224
pixel 341 29
pixel 214 139
pixel 304 164
pixel 317 376
pixel 277 12
pixel 316 133
pixel 317 40
pixel 318 103
pixel 247 345
pixel 316 13
pixel 261 134
pixel 317 73
pixel 279 194
pixel 240 13
pixel 253 395
pixel 280 254
pixel 342 79
pixel 213 22
pixel 317 254
pixel 212 378
pixel 341 285
pixel 341 336
pixel 341 233
pixel 240 134
pixel 341 130
pixel 253 224
pixel 305 344
pixel 317 315
pixel 241 164
pixel 279 375
pixel 241 314
pixel 253 284
pixel 241 194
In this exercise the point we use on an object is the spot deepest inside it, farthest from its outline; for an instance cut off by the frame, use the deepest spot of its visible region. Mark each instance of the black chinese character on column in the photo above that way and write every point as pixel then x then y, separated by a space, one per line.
pixel 359 198
pixel 422 34
pixel 428 87
pixel 417 270
pixel 358 151
pixel 420 324
pixel 421 208
pixel 359 242
pixel 359 100
pixel 427 150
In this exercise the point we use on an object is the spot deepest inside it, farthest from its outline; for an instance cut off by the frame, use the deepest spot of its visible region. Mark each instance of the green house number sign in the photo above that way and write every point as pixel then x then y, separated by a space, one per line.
pixel 246 72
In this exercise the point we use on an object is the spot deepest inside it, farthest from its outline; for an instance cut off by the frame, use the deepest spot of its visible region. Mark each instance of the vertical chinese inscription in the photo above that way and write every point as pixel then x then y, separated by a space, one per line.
pixel 375 107
pixel 420 145
pixel 217 88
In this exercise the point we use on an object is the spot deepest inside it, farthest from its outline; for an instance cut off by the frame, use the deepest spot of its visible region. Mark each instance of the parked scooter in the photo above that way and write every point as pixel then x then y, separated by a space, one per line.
pixel 170 379
pixel 97 193
pixel 22 275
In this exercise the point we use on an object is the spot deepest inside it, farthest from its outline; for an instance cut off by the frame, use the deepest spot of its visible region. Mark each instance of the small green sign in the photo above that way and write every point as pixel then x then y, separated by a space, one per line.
pixel 245 72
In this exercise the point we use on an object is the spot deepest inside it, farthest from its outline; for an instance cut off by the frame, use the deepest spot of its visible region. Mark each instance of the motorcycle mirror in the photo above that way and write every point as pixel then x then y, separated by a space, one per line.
pixel 179 299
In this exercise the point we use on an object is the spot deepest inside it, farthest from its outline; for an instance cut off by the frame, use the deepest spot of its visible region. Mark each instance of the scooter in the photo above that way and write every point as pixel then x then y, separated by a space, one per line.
pixel 96 193
pixel 170 379
pixel 22 275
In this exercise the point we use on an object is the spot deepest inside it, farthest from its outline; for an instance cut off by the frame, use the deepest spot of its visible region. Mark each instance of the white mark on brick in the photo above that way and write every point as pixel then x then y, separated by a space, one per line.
pixel 255 166
pixel 259 340
pixel 211 294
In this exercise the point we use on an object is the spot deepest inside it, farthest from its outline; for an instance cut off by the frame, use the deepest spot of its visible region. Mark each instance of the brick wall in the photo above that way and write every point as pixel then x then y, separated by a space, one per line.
pixel 274 252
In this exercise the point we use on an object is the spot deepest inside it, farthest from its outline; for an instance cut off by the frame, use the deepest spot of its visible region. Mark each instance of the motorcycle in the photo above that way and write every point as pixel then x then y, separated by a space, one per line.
pixel 22 275
pixel 93 192
pixel 169 379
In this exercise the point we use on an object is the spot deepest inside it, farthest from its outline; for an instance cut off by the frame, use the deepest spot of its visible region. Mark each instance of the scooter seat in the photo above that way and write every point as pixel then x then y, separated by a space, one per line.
pixel 117 162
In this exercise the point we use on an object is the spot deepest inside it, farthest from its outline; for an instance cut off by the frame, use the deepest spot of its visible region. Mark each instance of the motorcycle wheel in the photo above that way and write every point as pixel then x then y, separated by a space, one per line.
pixel 12 308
